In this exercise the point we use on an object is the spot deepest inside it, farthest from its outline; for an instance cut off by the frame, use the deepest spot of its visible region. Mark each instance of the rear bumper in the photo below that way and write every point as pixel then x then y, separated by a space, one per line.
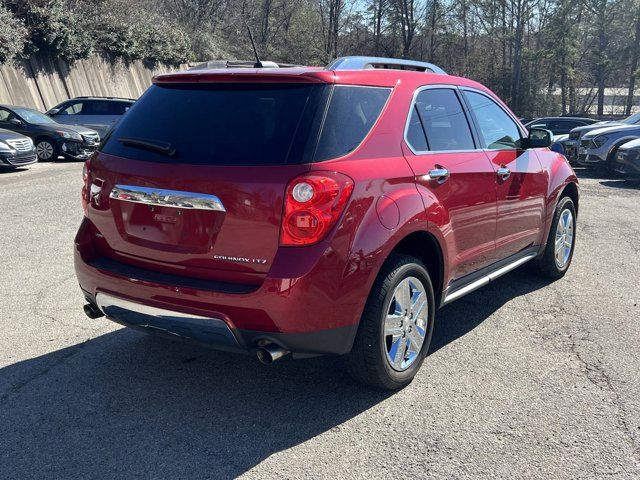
pixel 215 333
pixel 313 313
pixel 166 322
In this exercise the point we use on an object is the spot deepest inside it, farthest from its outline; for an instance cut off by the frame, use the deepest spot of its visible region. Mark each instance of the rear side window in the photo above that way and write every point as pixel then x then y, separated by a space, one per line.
pixel 351 113
pixel 103 107
pixel 72 109
pixel 439 113
pixel 564 126
pixel 218 124
pixel 415 133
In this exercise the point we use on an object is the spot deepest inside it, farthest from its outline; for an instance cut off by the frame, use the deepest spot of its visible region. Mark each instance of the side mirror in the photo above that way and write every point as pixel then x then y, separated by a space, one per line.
pixel 16 121
pixel 53 111
pixel 538 138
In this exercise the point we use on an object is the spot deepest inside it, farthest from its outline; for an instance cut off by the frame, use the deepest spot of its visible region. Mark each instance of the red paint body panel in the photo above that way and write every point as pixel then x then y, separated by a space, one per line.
pixel 463 208
pixel 521 201
pixel 475 218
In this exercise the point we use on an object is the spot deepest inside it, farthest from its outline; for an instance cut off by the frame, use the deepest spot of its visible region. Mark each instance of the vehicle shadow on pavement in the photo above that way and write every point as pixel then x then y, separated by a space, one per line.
pixel 592 173
pixel 624 184
pixel 128 405
pixel 460 317
pixel 12 170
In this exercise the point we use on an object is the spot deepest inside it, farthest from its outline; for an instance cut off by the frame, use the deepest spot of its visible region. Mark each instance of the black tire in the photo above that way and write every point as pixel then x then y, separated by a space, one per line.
pixel 367 362
pixel 546 265
pixel 55 151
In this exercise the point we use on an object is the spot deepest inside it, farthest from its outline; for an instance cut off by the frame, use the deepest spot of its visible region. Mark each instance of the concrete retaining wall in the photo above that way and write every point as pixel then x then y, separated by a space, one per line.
pixel 42 82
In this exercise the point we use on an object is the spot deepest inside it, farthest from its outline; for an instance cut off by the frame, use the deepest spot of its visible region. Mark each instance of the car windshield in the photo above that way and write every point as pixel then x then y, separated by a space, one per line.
pixel 33 116
pixel 633 119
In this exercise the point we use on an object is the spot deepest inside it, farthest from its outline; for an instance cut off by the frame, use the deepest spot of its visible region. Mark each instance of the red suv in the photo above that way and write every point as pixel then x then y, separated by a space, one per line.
pixel 316 210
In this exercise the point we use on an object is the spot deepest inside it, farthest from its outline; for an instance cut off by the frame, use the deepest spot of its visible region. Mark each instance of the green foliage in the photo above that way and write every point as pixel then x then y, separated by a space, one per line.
pixel 166 44
pixel 74 29
pixel 58 30
pixel 156 42
pixel 131 34
pixel 13 35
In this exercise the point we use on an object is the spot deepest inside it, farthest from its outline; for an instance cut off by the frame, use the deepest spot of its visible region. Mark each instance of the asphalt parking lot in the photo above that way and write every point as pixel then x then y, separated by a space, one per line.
pixel 525 379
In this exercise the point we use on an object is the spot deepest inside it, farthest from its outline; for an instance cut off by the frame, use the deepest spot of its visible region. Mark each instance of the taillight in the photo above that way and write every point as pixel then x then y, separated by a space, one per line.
pixel 85 187
pixel 312 205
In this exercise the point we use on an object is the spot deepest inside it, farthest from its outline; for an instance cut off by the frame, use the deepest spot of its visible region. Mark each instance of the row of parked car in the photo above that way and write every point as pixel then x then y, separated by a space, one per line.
pixel 71 130
pixel 613 146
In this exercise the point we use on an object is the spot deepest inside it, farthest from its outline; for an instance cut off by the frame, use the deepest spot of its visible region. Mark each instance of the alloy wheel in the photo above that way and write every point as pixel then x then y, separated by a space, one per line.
pixel 405 323
pixel 44 150
pixel 564 238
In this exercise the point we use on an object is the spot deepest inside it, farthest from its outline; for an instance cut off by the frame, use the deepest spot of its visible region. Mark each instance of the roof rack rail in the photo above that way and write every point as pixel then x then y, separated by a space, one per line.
pixel 363 63
pixel 238 64
pixel 105 97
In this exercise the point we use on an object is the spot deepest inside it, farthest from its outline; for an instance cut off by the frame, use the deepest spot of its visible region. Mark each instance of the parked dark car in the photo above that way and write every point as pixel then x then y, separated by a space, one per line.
pixel 51 138
pixel 97 113
pixel 317 211
pixel 560 125
pixel 16 150
pixel 627 160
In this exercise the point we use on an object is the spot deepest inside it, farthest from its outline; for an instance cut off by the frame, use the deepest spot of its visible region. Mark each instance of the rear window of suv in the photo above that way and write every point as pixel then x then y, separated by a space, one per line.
pixel 246 124
pixel 215 125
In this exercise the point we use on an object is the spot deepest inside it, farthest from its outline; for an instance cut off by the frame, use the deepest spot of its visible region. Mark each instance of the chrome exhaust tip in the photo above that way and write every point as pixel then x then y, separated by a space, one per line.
pixel 92 311
pixel 270 353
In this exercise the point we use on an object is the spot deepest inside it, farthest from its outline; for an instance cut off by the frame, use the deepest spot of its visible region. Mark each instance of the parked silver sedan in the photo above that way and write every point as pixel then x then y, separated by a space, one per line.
pixel 97 113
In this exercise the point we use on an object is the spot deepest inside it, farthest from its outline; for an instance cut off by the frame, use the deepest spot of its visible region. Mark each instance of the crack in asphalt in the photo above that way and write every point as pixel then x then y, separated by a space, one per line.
pixel 36 309
pixel 596 373
pixel 17 386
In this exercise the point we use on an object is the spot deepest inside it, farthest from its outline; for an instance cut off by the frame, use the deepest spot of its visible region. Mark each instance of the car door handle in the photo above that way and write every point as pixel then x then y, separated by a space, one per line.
pixel 503 172
pixel 439 174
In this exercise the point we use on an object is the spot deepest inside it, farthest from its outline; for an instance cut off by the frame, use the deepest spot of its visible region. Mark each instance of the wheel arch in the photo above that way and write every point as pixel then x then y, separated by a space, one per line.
pixel 424 246
pixel 571 190
pixel 42 136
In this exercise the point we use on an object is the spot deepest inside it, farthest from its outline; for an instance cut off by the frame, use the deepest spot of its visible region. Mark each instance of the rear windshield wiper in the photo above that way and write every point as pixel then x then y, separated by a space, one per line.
pixel 163 148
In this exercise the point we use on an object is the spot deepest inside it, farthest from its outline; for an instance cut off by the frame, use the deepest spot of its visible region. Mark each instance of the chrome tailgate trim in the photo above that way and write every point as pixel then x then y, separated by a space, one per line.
pixel 166 198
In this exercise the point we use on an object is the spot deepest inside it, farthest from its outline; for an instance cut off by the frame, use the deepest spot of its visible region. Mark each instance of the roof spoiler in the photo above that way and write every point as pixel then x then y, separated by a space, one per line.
pixel 364 63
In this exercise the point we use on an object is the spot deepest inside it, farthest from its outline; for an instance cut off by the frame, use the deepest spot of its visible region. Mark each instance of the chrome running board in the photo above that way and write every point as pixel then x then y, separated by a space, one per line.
pixel 482 281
